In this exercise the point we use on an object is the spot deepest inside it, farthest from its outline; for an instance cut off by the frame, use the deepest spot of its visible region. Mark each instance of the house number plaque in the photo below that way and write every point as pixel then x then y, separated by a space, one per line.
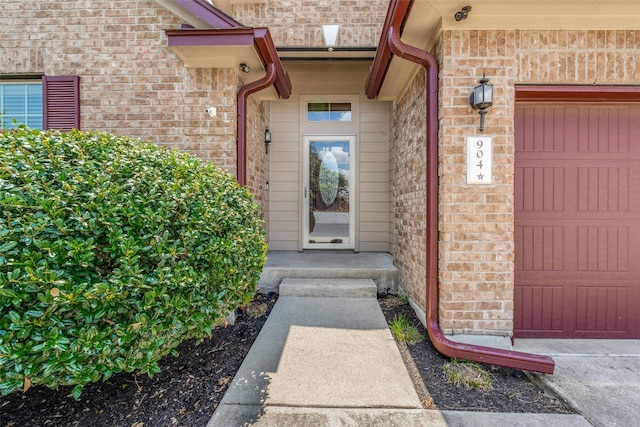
pixel 479 155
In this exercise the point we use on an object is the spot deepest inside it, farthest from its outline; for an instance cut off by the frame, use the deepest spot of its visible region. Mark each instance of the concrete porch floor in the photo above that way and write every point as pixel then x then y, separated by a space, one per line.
pixel 317 264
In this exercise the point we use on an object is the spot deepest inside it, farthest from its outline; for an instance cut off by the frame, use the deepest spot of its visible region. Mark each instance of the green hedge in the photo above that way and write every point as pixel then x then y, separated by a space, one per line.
pixel 112 252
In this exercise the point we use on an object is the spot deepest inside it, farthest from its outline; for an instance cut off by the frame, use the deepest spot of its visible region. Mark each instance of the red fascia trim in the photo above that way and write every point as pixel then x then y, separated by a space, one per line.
pixel 208 13
pixel 243 94
pixel 267 51
pixel 577 93
pixel 396 14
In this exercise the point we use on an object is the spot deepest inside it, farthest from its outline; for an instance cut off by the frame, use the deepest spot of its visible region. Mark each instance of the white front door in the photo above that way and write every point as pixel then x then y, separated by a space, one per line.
pixel 328 192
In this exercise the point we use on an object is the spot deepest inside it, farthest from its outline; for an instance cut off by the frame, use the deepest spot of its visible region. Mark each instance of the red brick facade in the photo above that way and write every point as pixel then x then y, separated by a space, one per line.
pixel 476 222
pixel 133 84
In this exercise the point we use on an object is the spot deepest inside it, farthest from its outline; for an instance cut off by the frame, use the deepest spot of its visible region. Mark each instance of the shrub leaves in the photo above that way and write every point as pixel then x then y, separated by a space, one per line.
pixel 112 252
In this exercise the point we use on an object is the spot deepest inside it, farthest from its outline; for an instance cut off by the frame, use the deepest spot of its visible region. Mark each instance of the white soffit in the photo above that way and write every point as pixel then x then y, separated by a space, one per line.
pixel 420 30
pixel 314 77
pixel 427 18
pixel 220 57
pixel 541 14
pixel 227 57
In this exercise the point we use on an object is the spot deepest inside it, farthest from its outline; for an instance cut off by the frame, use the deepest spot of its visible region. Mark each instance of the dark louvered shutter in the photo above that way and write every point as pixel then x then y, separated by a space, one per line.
pixel 61 102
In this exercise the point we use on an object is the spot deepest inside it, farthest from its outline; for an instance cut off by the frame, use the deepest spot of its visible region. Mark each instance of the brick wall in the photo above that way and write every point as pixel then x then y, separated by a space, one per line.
pixel 131 83
pixel 257 122
pixel 299 22
pixel 476 221
pixel 476 228
pixel 408 191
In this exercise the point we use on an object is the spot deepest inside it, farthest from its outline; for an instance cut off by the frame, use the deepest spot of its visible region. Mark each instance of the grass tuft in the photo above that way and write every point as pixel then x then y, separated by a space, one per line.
pixel 404 331
pixel 470 374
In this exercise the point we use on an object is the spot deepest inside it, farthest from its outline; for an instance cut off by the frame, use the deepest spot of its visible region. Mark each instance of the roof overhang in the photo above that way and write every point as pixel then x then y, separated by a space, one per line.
pixel 422 21
pixel 327 54
pixel 228 48
pixel 218 41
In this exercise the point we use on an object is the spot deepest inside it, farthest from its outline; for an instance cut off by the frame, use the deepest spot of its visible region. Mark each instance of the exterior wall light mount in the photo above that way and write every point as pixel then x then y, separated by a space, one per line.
pixel 482 98
pixel 244 68
pixel 267 140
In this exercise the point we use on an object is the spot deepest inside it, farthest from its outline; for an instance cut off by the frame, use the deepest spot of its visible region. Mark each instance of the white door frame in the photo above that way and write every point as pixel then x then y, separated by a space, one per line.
pixel 307 140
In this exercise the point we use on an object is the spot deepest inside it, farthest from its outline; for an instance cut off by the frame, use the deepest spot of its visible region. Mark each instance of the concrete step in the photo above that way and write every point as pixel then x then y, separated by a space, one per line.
pixel 344 288
pixel 377 266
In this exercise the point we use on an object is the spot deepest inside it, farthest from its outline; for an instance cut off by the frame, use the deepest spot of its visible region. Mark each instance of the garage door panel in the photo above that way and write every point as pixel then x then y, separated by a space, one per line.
pixel 603 249
pixel 603 129
pixel 602 308
pixel 541 131
pixel 540 189
pixel 543 312
pixel 539 248
pixel 577 221
pixel 603 189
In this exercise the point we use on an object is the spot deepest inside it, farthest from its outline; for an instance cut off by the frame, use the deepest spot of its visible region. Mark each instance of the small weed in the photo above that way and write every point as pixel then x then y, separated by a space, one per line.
pixel 470 374
pixel 404 299
pixel 404 331
pixel 256 310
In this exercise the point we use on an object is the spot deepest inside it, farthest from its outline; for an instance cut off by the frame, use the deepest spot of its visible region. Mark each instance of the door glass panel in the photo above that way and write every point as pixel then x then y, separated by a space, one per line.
pixel 329 210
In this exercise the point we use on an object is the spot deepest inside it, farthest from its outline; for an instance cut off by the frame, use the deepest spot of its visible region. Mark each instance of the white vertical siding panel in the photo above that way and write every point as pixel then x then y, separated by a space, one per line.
pixel 373 173
pixel 284 154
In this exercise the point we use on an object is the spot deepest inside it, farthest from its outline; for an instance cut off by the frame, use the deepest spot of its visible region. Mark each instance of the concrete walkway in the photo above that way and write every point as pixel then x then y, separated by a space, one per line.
pixel 325 357
pixel 600 379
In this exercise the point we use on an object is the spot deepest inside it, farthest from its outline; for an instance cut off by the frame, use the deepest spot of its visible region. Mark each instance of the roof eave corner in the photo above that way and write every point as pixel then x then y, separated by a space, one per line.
pixel 267 51
pixel 397 14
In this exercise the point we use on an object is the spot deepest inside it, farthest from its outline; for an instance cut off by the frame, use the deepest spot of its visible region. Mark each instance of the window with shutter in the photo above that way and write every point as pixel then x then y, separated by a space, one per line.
pixel 21 101
pixel 61 97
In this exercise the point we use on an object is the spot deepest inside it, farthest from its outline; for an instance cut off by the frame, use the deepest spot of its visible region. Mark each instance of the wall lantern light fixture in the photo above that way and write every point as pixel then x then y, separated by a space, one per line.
pixel 482 98
pixel 267 140
pixel 244 68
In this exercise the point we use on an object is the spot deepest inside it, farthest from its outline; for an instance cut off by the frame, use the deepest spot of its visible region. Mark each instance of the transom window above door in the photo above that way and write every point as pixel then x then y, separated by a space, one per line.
pixel 329 112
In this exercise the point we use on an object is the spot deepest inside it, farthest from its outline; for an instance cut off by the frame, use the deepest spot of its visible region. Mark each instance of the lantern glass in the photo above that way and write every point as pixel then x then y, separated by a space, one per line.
pixel 483 96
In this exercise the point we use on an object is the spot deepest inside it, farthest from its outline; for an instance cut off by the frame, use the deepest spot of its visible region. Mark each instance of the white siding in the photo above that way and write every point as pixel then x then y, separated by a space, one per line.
pixel 371 128
pixel 374 208
pixel 284 190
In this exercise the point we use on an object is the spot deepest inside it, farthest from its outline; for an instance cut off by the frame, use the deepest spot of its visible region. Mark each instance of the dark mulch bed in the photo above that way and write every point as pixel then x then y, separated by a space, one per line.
pixel 185 393
pixel 512 391
pixel 190 387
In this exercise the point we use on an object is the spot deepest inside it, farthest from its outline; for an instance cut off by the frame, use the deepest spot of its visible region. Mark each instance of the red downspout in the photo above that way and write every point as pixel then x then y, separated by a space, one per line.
pixel 243 94
pixel 494 356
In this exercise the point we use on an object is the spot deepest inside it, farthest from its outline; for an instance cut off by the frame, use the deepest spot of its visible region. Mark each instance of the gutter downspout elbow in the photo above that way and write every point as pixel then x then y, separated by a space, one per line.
pixel 243 94
pixel 452 349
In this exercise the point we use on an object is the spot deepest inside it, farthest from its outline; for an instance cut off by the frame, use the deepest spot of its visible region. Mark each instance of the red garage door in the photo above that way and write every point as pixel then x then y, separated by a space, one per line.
pixel 577 220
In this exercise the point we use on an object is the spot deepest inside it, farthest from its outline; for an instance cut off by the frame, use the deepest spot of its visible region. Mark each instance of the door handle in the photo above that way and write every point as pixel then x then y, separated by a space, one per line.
pixel 305 192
